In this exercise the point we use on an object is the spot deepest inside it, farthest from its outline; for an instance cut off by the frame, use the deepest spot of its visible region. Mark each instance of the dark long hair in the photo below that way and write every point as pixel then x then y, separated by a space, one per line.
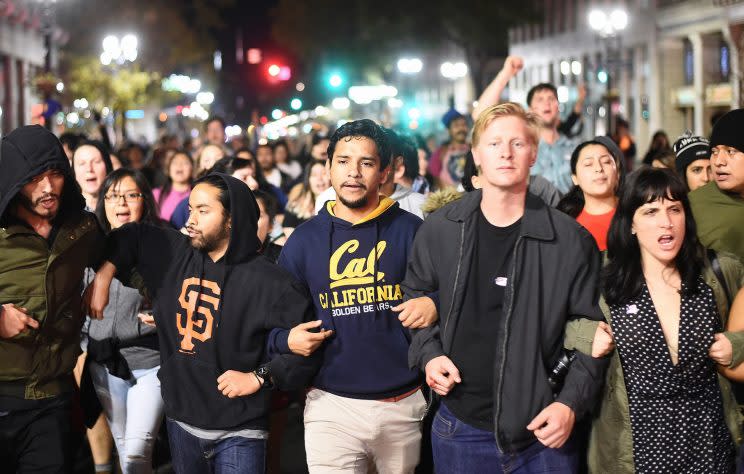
pixel 149 207
pixel 306 175
pixel 659 142
pixel 297 201
pixel 168 186
pixel 573 201
pixel 622 277
pixel 469 170
pixel 231 164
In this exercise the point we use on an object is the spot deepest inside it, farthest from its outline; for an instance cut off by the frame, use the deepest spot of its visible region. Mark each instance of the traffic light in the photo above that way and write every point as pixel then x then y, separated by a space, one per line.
pixel 335 80
pixel 279 72
pixel 296 104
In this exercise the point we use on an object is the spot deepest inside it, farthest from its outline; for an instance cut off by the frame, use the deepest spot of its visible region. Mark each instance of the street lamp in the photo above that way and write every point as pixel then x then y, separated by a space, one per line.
pixel 118 50
pixel 410 65
pixel 454 71
pixel 609 24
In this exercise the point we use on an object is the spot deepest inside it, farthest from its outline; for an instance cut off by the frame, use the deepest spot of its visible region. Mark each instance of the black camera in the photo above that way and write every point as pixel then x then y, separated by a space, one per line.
pixel 558 374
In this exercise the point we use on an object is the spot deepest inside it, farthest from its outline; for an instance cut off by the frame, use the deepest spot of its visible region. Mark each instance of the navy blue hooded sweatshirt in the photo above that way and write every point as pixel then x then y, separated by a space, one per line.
pixel 353 273
pixel 216 316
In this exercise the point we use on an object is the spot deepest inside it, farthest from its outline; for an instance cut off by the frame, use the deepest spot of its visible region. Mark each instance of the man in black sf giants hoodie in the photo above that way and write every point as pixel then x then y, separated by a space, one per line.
pixel 216 299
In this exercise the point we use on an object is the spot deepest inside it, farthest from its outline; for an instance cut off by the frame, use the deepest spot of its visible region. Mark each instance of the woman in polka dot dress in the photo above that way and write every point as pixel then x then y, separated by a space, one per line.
pixel 664 398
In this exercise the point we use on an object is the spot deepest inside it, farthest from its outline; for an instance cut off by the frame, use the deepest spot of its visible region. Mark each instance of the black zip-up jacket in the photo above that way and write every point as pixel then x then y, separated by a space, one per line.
pixel 553 278
pixel 216 316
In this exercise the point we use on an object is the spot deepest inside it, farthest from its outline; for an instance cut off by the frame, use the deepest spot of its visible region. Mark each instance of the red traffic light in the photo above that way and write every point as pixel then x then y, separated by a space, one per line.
pixel 274 70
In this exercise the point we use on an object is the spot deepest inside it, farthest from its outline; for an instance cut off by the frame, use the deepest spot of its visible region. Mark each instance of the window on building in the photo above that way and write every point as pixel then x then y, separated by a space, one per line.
pixel 724 58
pixel 689 63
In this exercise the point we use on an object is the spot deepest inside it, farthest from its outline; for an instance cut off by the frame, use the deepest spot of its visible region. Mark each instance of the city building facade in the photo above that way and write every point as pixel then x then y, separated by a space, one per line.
pixel 673 66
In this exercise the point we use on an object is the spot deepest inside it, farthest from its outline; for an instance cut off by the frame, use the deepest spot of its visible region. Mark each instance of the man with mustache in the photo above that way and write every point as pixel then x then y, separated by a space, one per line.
pixel 447 163
pixel 46 242
pixel 366 405
pixel 718 206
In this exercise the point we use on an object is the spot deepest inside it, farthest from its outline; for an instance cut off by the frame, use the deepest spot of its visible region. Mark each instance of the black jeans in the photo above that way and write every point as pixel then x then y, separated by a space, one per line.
pixel 37 439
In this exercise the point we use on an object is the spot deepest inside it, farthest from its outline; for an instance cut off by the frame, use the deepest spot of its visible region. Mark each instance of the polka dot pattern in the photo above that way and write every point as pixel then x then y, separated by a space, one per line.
pixel 676 411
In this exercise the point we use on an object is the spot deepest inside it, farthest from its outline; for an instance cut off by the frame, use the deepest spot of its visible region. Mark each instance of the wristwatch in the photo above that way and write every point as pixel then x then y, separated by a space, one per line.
pixel 264 373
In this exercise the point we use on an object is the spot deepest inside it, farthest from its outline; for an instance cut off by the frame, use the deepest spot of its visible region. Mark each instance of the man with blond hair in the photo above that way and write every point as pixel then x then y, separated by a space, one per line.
pixel 511 274
pixel 556 145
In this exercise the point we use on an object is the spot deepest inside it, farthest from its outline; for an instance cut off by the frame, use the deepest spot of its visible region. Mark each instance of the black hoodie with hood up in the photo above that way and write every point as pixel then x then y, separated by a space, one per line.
pixel 215 316
pixel 30 151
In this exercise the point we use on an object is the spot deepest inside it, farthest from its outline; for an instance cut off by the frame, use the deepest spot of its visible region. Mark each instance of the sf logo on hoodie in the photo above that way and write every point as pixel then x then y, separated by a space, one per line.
pixel 198 299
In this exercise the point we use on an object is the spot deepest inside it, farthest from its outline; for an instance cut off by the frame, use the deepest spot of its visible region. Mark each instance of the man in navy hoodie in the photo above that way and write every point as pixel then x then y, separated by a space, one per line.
pixel 216 300
pixel 366 405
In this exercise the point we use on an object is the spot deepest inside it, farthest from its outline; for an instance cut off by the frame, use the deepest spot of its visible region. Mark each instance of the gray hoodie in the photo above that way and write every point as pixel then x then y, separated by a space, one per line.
pixel 120 321
pixel 409 200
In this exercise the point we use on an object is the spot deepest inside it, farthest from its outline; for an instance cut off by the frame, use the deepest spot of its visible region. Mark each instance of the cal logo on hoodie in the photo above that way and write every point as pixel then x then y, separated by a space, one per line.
pixel 362 273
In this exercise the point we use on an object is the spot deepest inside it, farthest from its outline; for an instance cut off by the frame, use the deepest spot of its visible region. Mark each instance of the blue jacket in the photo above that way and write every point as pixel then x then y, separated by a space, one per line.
pixel 353 273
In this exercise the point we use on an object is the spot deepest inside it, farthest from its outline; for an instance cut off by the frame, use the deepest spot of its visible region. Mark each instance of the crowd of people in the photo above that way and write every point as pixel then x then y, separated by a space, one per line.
pixel 514 300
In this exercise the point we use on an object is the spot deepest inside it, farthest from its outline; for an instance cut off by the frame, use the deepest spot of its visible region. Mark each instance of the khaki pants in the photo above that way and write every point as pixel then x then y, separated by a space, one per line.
pixel 360 436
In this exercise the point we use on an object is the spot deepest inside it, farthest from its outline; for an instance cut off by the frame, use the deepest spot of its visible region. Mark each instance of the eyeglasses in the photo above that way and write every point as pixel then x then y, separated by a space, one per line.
pixel 128 197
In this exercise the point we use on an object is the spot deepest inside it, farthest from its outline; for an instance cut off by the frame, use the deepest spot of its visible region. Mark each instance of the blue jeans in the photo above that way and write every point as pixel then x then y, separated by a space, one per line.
pixel 192 455
pixel 459 447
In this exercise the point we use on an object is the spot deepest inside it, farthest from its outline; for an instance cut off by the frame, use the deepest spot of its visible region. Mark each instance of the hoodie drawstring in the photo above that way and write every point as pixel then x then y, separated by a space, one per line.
pixel 328 294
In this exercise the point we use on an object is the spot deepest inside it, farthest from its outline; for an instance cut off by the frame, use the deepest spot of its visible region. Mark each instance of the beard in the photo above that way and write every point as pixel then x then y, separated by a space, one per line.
pixel 34 207
pixel 459 136
pixel 211 241
pixel 361 202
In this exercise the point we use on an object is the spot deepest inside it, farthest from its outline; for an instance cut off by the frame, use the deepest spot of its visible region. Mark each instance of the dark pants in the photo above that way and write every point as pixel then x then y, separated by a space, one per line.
pixel 37 439
pixel 192 455
pixel 459 447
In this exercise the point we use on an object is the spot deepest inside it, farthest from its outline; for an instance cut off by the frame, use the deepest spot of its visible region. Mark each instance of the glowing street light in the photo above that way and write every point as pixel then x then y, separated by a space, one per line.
pixel 410 65
pixel 340 103
pixel 454 70
pixel 274 70
pixel 335 80
pixel 118 50
pixel 205 98
pixel 608 23
pixel 576 68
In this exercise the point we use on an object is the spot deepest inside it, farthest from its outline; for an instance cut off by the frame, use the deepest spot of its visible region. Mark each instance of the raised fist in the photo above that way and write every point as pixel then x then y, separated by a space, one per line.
pixel 512 65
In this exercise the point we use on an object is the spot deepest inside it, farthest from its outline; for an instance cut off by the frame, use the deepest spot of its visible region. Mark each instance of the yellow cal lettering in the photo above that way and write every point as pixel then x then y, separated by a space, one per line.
pixel 359 271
